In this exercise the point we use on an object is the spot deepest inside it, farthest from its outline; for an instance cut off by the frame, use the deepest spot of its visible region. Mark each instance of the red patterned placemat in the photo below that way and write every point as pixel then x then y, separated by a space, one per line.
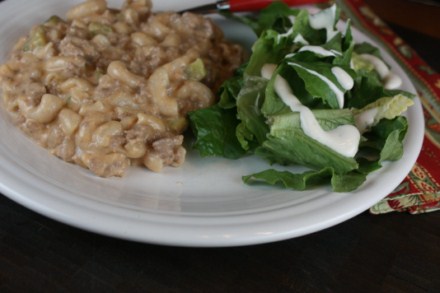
pixel 420 191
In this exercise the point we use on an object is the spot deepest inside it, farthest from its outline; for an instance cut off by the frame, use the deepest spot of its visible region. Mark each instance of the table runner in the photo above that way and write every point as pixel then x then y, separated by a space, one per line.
pixel 420 191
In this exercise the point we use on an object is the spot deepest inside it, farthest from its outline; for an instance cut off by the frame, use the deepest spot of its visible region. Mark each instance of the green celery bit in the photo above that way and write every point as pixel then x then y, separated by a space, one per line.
pixel 97 28
pixel 37 38
pixel 53 20
pixel 196 70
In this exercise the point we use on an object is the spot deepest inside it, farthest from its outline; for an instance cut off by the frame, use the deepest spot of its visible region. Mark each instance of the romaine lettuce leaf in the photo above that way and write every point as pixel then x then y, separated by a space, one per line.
pixel 387 138
pixel 307 180
pixel 273 105
pixel 319 80
pixel 328 119
pixel 229 90
pixel 287 179
pixel 288 144
pixel 212 128
pixel 367 48
pixel 295 148
pixel 253 129
pixel 265 50
pixel 383 108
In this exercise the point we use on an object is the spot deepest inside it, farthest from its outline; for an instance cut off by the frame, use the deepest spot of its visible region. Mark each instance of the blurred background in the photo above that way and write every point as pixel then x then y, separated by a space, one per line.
pixel 421 16
pixel 416 21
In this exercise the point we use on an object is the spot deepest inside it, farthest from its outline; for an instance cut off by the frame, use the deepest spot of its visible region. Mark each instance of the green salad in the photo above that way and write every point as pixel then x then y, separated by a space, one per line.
pixel 309 96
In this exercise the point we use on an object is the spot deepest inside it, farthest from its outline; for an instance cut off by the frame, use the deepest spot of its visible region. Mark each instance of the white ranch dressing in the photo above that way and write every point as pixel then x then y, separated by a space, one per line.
pixel 320 51
pixel 365 119
pixel 343 139
pixel 339 94
pixel 325 20
pixel 289 32
pixel 300 39
pixel 283 90
pixel 391 80
pixel 343 78
pixel 267 70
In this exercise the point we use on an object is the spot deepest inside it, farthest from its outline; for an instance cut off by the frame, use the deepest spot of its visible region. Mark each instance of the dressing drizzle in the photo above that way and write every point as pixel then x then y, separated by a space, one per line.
pixel 343 139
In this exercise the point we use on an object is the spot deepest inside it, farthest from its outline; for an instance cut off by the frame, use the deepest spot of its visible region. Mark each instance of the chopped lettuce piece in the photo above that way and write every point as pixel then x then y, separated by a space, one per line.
pixel 307 180
pixel 359 63
pixel 383 108
pixel 212 127
pixel 252 130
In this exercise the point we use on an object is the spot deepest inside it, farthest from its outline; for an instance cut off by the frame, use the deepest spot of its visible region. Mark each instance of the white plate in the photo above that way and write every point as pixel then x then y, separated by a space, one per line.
pixel 203 203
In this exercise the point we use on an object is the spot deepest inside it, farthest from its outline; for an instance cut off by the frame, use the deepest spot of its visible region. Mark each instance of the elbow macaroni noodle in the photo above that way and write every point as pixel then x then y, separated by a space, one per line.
pixel 107 88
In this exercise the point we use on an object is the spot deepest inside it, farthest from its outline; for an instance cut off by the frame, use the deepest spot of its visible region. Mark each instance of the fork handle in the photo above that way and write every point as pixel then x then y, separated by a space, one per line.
pixel 254 5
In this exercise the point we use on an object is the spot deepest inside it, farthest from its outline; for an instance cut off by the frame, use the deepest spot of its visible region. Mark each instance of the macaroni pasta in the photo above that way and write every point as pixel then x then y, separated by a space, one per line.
pixel 106 88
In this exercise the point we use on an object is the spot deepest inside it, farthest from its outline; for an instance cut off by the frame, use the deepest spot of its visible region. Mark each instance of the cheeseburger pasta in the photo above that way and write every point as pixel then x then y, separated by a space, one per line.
pixel 106 88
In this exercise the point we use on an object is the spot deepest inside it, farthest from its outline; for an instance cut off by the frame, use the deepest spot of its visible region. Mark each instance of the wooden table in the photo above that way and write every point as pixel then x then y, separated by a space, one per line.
pixel 387 253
